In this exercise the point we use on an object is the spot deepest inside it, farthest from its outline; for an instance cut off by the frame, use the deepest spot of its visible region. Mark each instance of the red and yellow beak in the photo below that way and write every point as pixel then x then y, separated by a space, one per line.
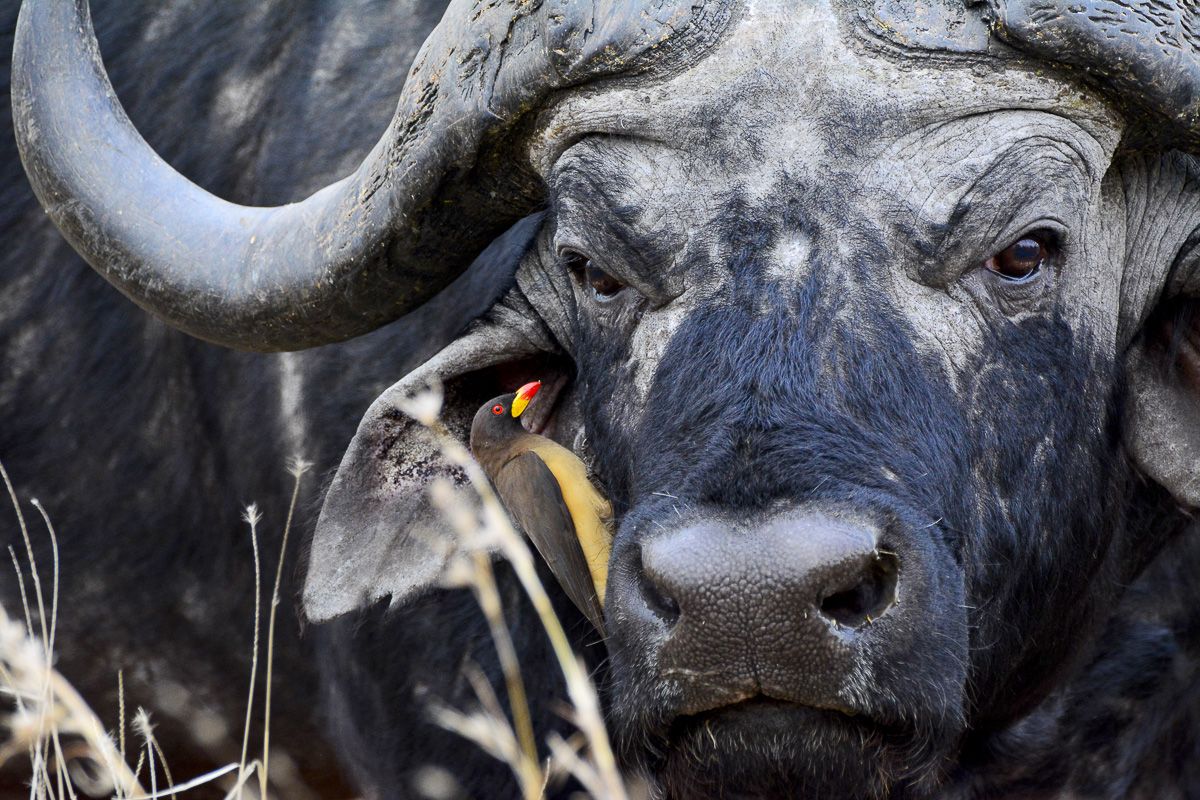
pixel 524 395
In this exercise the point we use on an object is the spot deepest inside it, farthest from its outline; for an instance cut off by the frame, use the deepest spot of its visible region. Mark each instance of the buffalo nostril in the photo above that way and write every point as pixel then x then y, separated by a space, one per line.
pixel 868 598
pixel 659 602
pixel 656 588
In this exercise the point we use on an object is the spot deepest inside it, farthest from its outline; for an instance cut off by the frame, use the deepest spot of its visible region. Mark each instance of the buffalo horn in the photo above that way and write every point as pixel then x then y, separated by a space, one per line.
pixel 438 186
pixel 1145 54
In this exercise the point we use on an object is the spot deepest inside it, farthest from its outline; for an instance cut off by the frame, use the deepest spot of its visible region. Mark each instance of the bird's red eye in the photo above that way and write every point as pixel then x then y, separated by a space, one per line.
pixel 497 409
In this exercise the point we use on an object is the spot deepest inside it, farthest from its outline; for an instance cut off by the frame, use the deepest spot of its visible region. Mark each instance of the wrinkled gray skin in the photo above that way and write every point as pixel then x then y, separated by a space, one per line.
pixel 890 154
pixel 912 137
pixel 941 157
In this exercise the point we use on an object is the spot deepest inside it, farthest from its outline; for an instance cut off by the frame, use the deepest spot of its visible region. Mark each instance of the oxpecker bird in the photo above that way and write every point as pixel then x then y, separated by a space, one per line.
pixel 546 490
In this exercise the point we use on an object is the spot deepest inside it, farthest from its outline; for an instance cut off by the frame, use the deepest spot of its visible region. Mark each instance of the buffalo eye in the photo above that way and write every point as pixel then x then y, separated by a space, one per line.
pixel 602 284
pixel 1021 260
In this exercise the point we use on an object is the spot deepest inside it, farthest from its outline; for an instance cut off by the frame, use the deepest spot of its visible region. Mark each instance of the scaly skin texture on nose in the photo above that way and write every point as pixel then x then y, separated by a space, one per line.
pixel 749 599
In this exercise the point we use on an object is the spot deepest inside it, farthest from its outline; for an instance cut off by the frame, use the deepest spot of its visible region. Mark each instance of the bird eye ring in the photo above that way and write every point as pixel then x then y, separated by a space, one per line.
pixel 497 409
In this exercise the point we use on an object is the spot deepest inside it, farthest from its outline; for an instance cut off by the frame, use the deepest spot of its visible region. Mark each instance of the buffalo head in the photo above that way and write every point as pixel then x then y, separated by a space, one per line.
pixel 876 325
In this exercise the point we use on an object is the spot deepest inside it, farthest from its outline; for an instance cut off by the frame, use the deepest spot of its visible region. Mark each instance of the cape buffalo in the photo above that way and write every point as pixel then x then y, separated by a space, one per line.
pixel 875 323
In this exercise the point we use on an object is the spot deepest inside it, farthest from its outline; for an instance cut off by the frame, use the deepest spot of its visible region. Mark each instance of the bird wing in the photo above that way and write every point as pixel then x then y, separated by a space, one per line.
pixel 534 499
pixel 588 508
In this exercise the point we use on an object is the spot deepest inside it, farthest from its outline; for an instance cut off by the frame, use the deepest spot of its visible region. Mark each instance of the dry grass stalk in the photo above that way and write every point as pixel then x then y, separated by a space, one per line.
pixel 260 767
pixel 252 518
pixel 141 724
pixel 49 710
pixel 47 707
pixel 489 596
pixel 480 533
pixel 297 468
pixel 515 744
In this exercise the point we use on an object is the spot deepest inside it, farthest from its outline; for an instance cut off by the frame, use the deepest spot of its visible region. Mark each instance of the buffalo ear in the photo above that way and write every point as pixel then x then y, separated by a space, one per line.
pixel 378 535
pixel 1145 56
pixel 1163 368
